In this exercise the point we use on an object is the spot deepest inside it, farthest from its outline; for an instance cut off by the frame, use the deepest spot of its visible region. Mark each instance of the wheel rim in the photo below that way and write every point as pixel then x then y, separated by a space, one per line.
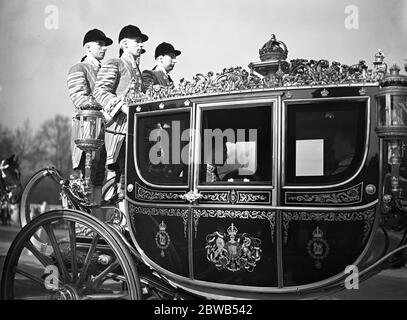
pixel 46 179
pixel 72 267
pixel 107 189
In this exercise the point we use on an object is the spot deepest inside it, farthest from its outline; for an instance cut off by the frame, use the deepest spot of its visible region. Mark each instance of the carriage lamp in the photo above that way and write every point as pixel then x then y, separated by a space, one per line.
pixel 391 104
pixel 90 134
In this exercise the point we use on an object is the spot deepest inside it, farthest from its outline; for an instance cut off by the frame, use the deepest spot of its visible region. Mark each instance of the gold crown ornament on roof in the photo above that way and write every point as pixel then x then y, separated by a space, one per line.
pixel 273 50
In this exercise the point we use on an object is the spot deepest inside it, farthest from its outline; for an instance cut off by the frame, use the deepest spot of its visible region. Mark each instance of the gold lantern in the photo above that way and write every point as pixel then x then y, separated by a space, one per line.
pixel 391 102
pixel 392 106
pixel 90 134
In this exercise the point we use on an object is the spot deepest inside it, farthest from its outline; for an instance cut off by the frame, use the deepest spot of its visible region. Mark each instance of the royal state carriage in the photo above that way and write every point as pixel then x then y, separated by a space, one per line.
pixel 278 182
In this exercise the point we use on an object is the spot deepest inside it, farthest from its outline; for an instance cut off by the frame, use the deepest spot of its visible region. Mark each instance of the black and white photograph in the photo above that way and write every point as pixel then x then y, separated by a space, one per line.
pixel 219 151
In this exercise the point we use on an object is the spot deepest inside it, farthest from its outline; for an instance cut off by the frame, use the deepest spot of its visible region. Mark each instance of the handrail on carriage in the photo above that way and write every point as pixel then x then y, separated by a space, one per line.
pixel 115 132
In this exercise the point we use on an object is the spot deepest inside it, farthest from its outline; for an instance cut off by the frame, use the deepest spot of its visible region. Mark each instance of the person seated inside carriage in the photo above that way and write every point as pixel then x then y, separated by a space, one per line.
pixel 218 165
pixel 343 151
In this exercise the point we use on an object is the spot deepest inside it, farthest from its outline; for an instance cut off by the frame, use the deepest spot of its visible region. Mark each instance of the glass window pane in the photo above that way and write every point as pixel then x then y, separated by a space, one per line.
pixel 382 111
pixel 325 141
pixel 163 148
pixel 398 110
pixel 236 145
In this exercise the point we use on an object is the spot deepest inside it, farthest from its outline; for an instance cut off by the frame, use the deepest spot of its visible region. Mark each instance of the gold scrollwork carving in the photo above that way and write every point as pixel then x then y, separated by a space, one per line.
pixel 152 195
pixel 367 216
pixel 239 197
pixel 348 196
pixel 299 72
pixel 219 197
pixel 151 211
pixel 240 214
pixel 248 197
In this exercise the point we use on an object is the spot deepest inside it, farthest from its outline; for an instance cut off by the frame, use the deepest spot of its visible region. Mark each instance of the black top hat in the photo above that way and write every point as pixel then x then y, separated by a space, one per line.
pixel 131 32
pixel 164 48
pixel 96 35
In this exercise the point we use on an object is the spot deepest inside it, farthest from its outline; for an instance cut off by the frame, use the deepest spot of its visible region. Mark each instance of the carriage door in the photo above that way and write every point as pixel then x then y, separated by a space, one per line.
pixel 157 176
pixel 234 189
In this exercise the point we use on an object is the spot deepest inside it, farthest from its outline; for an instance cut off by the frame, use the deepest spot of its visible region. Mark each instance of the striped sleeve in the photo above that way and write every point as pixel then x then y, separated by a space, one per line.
pixel 78 86
pixel 105 88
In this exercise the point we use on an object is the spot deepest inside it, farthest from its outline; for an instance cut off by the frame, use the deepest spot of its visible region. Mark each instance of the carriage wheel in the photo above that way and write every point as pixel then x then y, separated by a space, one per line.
pixel 108 189
pixel 42 186
pixel 94 266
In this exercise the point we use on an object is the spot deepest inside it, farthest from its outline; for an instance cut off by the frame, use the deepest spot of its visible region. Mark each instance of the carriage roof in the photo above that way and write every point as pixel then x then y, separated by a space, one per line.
pixel 271 74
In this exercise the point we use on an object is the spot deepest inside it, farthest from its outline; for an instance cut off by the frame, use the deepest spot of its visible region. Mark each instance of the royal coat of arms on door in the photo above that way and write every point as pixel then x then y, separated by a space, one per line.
pixel 318 247
pixel 162 238
pixel 233 251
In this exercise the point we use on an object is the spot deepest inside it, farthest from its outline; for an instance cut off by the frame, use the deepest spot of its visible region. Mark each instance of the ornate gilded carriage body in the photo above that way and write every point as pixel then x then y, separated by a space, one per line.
pixel 296 215
pixel 271 183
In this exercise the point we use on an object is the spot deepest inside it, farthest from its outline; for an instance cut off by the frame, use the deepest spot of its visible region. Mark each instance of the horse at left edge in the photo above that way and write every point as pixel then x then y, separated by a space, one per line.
pixel 10 186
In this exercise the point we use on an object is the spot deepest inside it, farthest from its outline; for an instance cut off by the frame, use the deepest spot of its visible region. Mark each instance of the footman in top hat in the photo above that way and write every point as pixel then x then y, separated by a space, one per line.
pixel 166 58
pixel 112 85
pixel 81 82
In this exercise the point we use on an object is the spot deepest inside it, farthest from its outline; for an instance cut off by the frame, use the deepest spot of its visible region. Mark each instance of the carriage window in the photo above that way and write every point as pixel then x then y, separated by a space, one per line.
pixel 163 148
pixel 236 146
pixel 325 141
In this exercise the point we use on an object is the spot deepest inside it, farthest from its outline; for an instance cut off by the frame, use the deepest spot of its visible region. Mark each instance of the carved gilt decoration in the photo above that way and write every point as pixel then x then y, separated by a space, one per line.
pixel 367 216
pixel 318 247
pixel 169 212
pixel 240 214
pixel 298 72
pixel 348 196
pixel 233 251
pixel 236 197
pixel 162 238
pixel 146 194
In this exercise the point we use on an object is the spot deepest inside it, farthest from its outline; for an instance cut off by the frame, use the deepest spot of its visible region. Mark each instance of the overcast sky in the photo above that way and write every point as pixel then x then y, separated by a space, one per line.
pixel 41 39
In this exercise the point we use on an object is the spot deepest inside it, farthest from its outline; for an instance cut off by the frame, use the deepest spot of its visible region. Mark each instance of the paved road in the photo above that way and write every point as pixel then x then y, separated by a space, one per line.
pixel 388 285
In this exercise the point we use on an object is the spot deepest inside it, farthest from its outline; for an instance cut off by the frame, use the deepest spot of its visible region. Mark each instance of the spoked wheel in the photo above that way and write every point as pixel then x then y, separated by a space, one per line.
pixel 83 260
pixel 41 190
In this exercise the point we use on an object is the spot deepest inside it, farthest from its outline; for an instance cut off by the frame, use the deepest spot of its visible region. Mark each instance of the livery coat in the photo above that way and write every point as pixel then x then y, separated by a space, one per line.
pixel 154 77
pixel 112 85
pixel 81 82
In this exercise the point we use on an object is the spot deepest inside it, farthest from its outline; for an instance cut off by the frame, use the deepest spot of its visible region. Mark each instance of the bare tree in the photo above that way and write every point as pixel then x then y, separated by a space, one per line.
pixel 23 139
pixel 53 144
pixel 6 142
pixel 49 146
pixel 24 147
